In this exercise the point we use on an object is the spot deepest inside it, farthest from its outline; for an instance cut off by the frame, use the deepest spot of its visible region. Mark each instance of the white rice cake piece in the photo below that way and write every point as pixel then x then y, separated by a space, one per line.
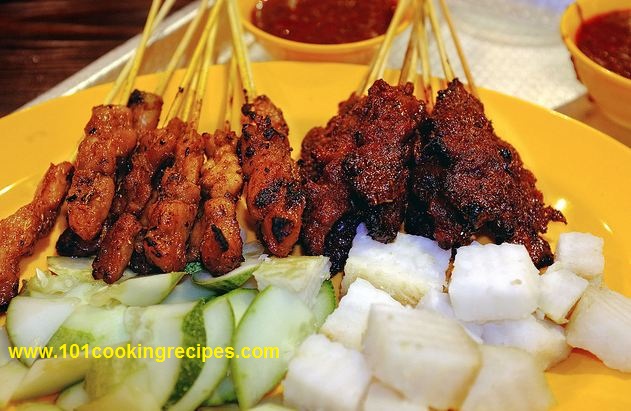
pixel 422 354
pixel 601 324
pixel 560 290
pixel 439 302
pixel 347 323
pixel 581 253
pixel 493 282
pixel 543 339
pixel 406 268
pixel 326 376
pixel 509 379
pixel 383 398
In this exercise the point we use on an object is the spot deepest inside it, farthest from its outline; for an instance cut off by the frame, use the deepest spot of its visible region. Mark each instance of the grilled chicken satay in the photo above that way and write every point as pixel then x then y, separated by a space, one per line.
pixel 20 232
pixel 155 148
pixel 145 112
pixel 109 138
pixel 170 218
pixel 216 237
pixel 272 185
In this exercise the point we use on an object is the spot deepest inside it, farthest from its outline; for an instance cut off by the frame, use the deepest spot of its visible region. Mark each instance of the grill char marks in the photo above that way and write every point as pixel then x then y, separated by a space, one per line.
pixel 467 181
pixel 109 137
pixel 20 232
pixel 272 190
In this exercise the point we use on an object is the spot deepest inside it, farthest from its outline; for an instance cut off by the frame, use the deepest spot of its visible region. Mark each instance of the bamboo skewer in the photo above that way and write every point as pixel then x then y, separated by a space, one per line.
pixel 181 48
pixel 186 82
pixel 423 47
pixel 124 73
pixel 456 40
pixel 378 64
pixel 230 94
pixel 240 51
pixel 444 59
pixel 410 61
pixel 129 84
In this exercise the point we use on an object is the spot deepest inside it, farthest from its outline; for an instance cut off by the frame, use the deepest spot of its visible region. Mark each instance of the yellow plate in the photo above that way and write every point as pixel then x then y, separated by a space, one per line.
pixel 580 170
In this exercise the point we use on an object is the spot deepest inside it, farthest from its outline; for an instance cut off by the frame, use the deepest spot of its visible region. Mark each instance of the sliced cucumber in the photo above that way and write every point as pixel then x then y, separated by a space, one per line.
pixel 277 318
pixel 4 347
pixel 253 255
pixel 11 374
pixel 139 291
pixel 194 387
pixel 188 291
pixel 81 267
pixel 240 299
pixel 37 406
pixel 94 326
pixel 161 327
pixel 72 397
pixel 45 284
pixel 223 394
pixel 132 394
pixel 325 303
pixel 50 375
pixel 31 322
pixel 302 275
pixel 271 407
pixel 106 374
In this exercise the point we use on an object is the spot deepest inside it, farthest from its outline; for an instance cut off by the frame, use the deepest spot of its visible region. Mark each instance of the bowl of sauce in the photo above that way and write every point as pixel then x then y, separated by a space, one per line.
pixel 597 34
pixel 319 30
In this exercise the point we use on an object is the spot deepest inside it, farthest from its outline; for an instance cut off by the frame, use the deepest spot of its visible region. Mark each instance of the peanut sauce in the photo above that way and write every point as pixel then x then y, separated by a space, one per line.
pixel 324 21
pixel 606 39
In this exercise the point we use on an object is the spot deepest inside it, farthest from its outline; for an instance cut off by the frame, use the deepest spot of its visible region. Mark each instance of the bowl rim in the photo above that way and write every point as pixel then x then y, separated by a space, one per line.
pixel 314 47
pixel 570 43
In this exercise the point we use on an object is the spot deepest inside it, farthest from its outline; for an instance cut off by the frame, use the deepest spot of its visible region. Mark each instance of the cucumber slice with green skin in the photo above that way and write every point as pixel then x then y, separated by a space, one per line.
pixel 302 275
pixel 188 291
pixel 106 374
pixel 139 291
pixel 240 299
pixel 325 303
pixel 253 255
pixel 37 406
pixel 95 326
pixel 11 375
pixel 80 267
pixel 271 407
pixel 4 347
pixel 51 375
pixel 72 397
pixel 276 318
pixel 132 394
pixel 31 322
pixel 161 327
pixel 199 376
pixel 223 394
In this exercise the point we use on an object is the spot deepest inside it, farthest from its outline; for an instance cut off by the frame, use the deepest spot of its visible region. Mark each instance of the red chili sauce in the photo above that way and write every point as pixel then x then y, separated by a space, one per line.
pixel 606 39
pixel 324 21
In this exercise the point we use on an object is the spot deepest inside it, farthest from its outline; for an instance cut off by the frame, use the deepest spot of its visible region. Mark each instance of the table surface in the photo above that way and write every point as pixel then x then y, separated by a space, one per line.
pixel 42 42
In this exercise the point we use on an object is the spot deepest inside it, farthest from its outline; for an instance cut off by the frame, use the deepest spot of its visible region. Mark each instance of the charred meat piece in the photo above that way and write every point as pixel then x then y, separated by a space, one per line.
pixel 358 165
pixel 116 249
pixel 273 193
pixel 467 181
pixel 145 109
pixel 170 218
pixel 109 137
pixel 217 232
pixel 20 232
